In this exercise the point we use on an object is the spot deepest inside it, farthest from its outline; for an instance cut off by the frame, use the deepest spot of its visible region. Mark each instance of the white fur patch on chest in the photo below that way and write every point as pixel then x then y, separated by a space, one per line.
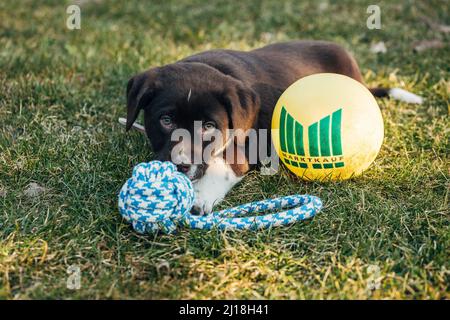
pixel 210 189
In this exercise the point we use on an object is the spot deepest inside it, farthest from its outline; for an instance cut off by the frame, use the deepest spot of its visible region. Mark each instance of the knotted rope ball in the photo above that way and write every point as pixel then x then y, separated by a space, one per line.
pixel 159 198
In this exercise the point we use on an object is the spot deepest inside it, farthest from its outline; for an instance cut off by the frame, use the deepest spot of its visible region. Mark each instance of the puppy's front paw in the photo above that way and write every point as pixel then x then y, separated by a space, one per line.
pixel 201 206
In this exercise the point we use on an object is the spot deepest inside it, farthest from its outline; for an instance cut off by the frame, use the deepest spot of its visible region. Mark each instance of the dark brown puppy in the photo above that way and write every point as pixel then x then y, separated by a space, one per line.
pixel 224 89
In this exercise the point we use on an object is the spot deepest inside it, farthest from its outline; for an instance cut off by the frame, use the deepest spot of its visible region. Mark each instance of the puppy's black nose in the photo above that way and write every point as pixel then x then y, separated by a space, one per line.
pixel 183 167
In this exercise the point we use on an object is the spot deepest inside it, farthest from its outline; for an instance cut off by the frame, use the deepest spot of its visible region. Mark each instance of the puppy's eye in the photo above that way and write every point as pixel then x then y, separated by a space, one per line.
pixel 166 121
pixel 209 125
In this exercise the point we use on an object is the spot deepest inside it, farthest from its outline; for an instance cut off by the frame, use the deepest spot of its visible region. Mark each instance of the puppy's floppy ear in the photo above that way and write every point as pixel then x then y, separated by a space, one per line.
pixel 242 104
pixel 140 91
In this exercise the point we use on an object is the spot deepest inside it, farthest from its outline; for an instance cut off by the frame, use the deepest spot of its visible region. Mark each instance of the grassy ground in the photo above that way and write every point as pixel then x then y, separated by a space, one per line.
pixel 62 91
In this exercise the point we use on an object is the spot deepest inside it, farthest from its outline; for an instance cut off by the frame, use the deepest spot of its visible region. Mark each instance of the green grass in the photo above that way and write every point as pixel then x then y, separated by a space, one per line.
pixel 62 91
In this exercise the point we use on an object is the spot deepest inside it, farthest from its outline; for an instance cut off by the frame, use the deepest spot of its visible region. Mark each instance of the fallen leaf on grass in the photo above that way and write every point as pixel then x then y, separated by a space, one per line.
pixel 162 265
pixel 423 45
pixel 323 6
pixel 378 47
pixel 33 190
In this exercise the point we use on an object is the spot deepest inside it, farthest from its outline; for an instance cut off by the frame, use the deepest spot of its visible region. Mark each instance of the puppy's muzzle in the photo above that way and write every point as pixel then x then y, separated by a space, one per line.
pixel 184 168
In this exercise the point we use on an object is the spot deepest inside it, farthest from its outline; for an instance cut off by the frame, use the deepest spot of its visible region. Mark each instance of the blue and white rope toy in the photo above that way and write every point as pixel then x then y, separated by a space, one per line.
pixel 159 198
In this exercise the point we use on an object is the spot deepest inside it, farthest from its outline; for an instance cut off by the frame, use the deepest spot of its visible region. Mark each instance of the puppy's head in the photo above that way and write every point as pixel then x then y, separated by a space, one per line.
pixel 188 109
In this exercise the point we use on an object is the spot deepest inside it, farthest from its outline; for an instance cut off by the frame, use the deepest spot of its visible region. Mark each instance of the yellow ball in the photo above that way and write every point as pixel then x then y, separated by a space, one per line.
pixel 327 127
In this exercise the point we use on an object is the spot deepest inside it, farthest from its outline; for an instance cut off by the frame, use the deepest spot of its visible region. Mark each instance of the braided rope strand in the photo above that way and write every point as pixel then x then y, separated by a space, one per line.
pixel 158 198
